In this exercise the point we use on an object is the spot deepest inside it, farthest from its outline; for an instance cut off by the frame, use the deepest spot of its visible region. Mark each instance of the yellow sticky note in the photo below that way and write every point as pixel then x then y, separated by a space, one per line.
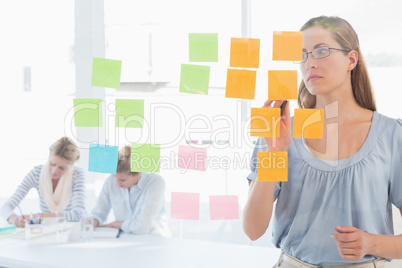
pixel 240 84
pixel 245 52
pixel 282 85
pixel 287 46
pixel 264 122
pixel 308 123
pixel 272 166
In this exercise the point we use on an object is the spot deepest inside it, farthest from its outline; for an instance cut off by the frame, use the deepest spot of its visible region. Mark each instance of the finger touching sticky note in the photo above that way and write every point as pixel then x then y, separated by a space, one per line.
pixel 192 158
pixel 203 47
pixel 264 122
pixel 223 207
pixel 240 84
pixel 129 113
pixel 103 158
pixel 106 73
pixel 185 206
pixel 88 113
pixel 282 85
pixel 145 157
pixel 244 52
pixel 308 123
pixel 272 166
pixel 287 46
pixel 194 79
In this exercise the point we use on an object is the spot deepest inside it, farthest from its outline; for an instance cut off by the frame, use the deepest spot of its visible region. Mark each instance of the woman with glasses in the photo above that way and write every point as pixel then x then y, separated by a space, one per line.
pixel 336 207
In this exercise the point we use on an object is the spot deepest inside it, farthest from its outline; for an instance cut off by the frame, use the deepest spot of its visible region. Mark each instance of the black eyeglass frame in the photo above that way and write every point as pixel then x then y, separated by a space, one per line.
pixel 329 53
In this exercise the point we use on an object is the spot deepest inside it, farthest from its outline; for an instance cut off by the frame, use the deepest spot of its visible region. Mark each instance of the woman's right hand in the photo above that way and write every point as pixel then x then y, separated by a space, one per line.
pixel 282 143
pixel 17 221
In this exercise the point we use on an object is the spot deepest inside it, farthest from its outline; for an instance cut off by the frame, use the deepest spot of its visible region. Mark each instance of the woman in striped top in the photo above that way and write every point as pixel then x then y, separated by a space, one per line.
pixel 60 185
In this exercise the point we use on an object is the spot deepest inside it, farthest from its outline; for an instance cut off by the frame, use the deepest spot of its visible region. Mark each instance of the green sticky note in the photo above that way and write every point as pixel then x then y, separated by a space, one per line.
pixel 145 157
pixel 194 79
pixel 88 113
pixel 106 73
pixel 203 47
pixel 129 113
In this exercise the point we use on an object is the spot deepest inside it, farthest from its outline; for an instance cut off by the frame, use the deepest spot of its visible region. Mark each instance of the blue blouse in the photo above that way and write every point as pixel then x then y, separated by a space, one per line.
pixel 357 191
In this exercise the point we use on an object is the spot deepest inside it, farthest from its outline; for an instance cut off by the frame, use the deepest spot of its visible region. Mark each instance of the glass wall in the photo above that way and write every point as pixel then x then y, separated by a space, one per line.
pixel 151 39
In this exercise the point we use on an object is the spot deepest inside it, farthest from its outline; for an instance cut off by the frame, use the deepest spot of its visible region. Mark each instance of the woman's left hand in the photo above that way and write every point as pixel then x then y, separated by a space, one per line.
pixel 353 244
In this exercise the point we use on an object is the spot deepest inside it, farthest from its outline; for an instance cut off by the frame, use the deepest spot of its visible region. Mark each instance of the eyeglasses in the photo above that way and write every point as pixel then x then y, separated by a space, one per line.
pixel 318 53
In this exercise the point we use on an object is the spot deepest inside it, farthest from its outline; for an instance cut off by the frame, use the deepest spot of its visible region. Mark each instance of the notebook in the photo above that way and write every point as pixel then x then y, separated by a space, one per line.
pixel 105 232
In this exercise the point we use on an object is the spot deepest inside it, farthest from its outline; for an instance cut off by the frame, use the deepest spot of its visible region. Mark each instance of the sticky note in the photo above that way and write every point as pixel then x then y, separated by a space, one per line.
pixel 272 166
pixel 282 85
pixel 223 207
pixel 145 157
pixel 308 123
pixel 287 46
pixel 129 113
pixel 88 113
pixel 106 73
pixel 203 47
pixel 194 79
pixel 185 206
pixel 192 158
pixel 240 84
pixel 103 158
pixel 244 52
pixel 265 122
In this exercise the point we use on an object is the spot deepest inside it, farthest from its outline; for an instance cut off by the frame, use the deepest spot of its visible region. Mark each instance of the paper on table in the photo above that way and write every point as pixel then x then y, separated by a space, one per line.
pixel 105 232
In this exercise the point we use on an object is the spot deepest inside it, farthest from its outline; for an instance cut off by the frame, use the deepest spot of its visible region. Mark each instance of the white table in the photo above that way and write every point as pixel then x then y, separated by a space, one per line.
pixel 133 251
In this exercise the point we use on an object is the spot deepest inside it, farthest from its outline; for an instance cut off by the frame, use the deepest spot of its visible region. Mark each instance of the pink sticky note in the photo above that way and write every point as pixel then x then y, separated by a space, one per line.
pixel 185 206
pixel 223 207
pixel 192 158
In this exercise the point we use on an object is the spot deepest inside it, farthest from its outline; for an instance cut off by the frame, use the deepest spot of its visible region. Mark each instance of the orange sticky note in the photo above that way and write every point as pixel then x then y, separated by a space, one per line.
pixel 245 52
pixel 287 46
pixel 240 84
pixel 264 122
pixel 308 123
pixel 272 166
pixel 282 85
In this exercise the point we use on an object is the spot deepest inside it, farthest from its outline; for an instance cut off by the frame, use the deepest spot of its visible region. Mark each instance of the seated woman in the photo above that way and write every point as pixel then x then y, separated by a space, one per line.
pixel 137 199
pixel 60 185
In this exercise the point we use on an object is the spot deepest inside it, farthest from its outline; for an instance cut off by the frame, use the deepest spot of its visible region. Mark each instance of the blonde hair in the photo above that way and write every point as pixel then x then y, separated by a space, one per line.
pixel 347 38
pixel 66 148
pixel 124 162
